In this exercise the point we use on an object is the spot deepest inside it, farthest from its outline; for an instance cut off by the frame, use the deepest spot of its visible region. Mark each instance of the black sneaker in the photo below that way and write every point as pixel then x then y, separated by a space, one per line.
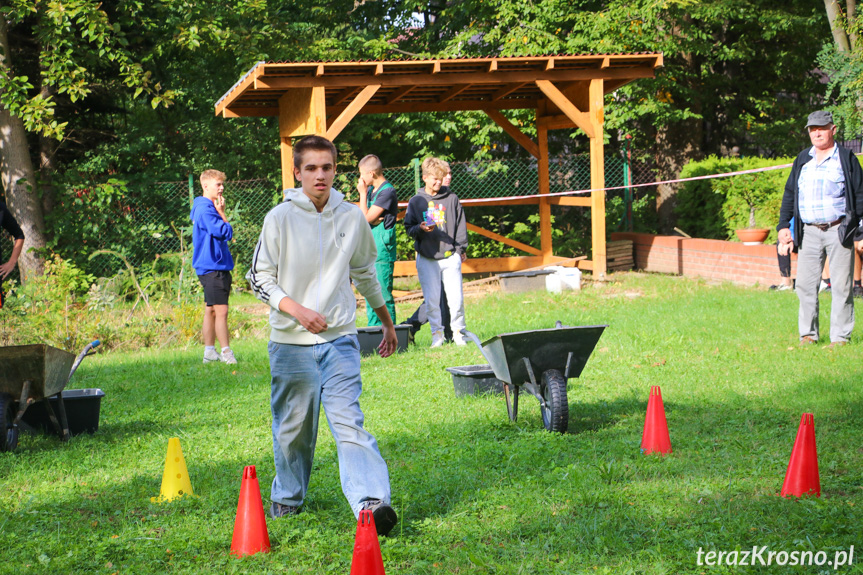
pixel 858 291
pixel 281 510
pixel 385 516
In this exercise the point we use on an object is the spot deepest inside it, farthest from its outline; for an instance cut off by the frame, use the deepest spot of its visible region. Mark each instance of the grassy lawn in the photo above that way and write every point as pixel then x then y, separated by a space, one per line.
pixel 475 492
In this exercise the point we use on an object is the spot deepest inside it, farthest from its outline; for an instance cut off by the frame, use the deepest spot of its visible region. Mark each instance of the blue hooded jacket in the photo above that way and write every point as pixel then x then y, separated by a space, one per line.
pixel 210 236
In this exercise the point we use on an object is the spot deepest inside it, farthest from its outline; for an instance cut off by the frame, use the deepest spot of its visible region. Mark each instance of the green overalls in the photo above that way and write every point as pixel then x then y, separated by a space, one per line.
pixel 385 241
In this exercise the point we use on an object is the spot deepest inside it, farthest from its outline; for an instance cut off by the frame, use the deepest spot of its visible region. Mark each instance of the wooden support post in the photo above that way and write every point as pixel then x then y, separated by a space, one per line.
pixel 352 110
pixel 597 178
pixel 287 154
pixel 513 131
pixel 559 99
pixel 302 112
pixel 544 188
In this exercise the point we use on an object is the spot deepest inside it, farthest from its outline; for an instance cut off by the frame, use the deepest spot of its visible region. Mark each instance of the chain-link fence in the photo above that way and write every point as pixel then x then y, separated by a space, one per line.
pixel 146 223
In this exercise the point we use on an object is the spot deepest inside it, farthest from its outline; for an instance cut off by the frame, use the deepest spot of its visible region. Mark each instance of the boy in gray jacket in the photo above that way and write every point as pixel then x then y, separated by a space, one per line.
pixel 435 219
pixel 311 247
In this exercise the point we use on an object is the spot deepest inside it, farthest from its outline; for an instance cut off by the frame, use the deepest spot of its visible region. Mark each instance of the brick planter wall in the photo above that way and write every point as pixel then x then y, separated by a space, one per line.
pixel 709 259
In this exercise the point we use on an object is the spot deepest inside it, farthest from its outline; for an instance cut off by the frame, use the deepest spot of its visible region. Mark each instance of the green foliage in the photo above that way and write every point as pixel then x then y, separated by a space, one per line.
pixel 845 72
pixel 714 208
pixel 158 304
pixel 47 308
pixel 79 48
pixel 753 200
pixel 713 51
pixel 475 492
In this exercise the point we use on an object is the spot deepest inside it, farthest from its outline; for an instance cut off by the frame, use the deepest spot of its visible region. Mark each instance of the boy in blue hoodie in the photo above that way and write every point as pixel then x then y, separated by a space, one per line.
pixel 213 263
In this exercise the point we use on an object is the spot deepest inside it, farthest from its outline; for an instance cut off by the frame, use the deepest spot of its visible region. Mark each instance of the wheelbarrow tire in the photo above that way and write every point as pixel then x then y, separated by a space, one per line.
pixel 555 413
pixel 8 434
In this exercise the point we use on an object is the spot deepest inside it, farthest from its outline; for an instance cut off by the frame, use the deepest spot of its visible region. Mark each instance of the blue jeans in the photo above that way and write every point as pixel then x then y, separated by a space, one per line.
pixel 303 378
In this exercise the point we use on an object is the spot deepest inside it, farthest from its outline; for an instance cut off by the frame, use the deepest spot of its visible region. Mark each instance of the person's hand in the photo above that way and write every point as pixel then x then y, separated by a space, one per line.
pixel 859 247
pixel 784 241
pixel 311 320
pixel 426 227
pixel 6 269
pixel 389 341
pixel 219 203
pixel 463 257
pixel 362 187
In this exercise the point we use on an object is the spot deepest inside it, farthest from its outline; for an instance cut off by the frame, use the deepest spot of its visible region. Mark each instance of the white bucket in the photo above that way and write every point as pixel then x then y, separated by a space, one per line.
pixel 563 279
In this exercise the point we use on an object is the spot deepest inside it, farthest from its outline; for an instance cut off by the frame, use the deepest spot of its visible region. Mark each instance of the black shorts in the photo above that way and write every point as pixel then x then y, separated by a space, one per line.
pixel 217 287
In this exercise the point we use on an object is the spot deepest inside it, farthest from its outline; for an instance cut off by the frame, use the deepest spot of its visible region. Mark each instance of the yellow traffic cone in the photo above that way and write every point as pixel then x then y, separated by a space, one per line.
pixel 175 479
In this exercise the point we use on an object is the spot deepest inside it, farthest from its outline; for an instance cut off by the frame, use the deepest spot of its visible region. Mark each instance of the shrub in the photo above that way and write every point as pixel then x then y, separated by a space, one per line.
pixel 714 208
pixel 67 308
pixel 752 200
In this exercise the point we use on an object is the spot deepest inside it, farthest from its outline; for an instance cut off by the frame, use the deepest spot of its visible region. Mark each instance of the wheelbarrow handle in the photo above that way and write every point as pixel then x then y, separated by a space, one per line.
pixel 87 351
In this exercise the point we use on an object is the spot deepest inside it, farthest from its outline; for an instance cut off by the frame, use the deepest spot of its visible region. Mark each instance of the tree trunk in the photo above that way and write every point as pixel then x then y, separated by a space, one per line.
pixel 17 178
pixel 676 144
pixel 47 163
pixel 834 12
pixel 851 14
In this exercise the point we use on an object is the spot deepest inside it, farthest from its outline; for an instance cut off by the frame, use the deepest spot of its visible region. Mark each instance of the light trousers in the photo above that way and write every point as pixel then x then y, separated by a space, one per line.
pixel 446 273
pixel 817 245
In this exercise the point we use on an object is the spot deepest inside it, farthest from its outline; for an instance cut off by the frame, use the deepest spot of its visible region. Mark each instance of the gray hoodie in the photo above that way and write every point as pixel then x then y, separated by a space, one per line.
pixel 450 233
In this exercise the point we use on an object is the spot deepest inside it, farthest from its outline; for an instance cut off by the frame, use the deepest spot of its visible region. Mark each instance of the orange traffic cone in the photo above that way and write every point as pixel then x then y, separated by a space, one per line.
pixel 250 527
pixel 367 551
pixel 655 438
pixel 802 475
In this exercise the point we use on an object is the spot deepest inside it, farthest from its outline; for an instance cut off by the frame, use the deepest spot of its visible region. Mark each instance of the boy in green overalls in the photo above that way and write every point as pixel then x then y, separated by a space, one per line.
pixel 380 205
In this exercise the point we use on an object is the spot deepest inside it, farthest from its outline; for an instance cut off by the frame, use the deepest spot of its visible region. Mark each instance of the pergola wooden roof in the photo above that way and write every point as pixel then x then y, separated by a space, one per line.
pixel 565 90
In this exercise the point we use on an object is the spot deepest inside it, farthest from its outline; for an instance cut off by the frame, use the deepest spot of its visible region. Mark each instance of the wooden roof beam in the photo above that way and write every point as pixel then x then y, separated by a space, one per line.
pixel 451 106
pixel 506 91
pixel 612 85
pixel 250 112
pixel 351 110
pixel 343 95
pixel 400 93
pixel 453 92
pixel 513 131
pixel 559 99
pixel 499 77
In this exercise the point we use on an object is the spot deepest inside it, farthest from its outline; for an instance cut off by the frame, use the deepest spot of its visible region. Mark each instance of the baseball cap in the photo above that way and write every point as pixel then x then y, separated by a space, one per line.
pixel 819 118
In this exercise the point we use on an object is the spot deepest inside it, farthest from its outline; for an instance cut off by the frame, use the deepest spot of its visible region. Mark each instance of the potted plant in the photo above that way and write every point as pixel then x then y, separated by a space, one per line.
pixel 744 195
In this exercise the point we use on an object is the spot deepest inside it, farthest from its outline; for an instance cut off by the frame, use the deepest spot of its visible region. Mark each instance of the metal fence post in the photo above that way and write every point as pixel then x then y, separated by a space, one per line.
pixel 627 180
pixel 191 190
pixel 416 163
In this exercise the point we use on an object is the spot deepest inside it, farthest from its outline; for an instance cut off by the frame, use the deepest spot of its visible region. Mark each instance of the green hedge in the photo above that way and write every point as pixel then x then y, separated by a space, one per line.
pixel 716 207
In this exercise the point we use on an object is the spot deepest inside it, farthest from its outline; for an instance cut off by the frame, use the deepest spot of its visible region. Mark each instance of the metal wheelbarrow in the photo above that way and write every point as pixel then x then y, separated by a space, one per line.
pixel 541 361
pixel 32 373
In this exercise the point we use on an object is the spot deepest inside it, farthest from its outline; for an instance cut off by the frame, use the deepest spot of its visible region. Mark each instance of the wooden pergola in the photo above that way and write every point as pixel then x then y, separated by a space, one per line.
pixel 567 92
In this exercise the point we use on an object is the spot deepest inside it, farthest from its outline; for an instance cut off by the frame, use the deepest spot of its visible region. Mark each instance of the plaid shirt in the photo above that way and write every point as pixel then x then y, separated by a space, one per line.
pixel 822 189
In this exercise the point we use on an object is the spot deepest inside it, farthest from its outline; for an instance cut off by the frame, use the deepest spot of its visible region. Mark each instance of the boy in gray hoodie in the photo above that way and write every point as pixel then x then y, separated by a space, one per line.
pixel 311 246
pixel 435 219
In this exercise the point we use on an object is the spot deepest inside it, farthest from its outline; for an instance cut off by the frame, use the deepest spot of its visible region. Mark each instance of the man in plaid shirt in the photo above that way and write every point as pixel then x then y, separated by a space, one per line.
pixel 824 194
